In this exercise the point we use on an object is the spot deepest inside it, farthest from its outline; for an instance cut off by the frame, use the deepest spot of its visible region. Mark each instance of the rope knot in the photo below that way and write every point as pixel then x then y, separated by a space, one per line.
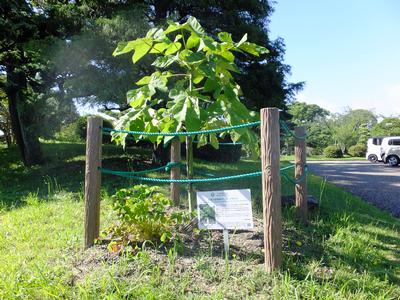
pixel 171 165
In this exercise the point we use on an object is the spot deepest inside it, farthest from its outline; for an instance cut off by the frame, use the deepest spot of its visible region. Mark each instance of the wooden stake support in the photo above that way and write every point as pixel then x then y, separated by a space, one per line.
pixel 300 164
pixel 92 180
pixel 271 186
pixel 175 171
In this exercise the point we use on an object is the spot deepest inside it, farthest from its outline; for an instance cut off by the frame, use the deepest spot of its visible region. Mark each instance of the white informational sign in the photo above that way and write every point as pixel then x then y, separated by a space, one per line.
pixel 228 209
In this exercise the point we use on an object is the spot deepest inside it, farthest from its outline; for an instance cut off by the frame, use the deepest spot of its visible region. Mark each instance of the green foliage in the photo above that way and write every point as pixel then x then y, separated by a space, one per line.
pixel 358 150
pixel 314 119
pixel 76 131
pixel 387 127
pixel 225 153
pixel 67 133
pixel 145 214
pixel 333 151
pixel 193 87
pixel 347 128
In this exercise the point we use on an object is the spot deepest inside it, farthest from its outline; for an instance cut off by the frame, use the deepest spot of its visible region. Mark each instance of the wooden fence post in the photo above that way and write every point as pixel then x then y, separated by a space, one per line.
pixel 300 173
pixel 271 186
pixel 175 171
pixel 92 180
pixel 189 170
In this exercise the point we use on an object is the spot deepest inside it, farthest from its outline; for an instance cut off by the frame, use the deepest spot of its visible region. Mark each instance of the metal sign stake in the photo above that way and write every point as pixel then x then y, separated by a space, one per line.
pixel 226 242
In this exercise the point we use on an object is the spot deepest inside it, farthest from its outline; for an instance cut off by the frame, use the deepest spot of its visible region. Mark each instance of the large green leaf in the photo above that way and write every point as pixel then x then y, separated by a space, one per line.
pixel 174 47
pixel 144 80
pixel 125 47
pixel 173 26
pixel 195 26
pixel 192 118
pixel 164 61
pixel 159 48
pixel 214 141
pixel 244 39
pixel 253 49
pixel 195 57
pixel 227 55
pixel 192 41
pixel 225 37
pixel 142 47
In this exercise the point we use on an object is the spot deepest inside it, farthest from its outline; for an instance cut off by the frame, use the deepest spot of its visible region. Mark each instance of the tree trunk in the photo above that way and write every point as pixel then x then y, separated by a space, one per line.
pixel 24 132
pixel 160 154
pixel 8 138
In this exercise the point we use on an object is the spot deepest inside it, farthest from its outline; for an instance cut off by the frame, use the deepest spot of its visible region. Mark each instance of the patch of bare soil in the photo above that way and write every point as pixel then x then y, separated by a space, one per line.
pixel 202 250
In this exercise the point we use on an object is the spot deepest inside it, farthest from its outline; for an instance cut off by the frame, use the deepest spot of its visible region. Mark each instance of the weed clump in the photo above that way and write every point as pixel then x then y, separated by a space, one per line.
pixel 144 214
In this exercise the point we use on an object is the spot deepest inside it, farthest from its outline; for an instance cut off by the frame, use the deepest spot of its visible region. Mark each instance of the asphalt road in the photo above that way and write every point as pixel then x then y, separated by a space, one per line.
pixel 377 183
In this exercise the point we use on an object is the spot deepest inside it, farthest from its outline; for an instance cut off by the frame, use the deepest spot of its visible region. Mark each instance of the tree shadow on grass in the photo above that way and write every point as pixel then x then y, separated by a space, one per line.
pixel 64 169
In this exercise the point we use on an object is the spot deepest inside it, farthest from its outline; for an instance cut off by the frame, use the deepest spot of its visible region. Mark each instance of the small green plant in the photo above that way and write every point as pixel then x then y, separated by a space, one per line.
pixel 333 152
pixel 32 198
pixel 52 186
pixel 358 150
pixel 145 214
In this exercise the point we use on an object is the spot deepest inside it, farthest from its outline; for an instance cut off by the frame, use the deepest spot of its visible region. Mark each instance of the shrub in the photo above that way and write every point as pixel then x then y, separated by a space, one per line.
pixel 358 150
pixel 81 127
pixel 225 153
pixel 333 152
pixel 68 133
pixel 145 214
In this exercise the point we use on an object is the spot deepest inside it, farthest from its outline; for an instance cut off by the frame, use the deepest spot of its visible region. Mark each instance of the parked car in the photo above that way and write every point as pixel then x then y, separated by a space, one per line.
pixel 390 150
pixel 392 156
pixel 374 149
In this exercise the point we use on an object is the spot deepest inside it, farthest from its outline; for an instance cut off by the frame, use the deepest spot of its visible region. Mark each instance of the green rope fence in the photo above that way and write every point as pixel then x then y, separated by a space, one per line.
pixel 167 167
pixel 298 180
pixel 193 180
pixel 290 132
pixel 133 175
pixel 183 133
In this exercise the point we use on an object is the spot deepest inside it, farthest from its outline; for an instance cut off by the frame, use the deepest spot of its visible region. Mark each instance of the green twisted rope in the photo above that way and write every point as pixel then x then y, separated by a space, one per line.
pixel 132 175
pixel 194 180
pixel 167 167
pixel 222 143
pixel 301 179
pixel 290 132
pixel 182 133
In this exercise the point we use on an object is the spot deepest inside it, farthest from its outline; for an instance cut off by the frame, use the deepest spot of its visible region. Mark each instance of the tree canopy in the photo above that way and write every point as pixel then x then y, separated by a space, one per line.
pixel 57 52
pixel 193 87
pixel 387 127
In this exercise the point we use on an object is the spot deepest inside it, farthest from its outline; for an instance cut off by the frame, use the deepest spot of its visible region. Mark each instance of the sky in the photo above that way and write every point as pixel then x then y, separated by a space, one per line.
pixel 347 52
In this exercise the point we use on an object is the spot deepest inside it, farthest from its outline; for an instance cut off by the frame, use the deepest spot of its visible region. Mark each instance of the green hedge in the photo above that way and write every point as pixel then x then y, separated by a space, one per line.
pixel 358 150
pixel 333 152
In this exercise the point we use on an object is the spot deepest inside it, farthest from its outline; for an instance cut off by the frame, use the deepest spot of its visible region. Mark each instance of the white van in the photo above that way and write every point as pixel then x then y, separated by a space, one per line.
pixel 374 152
pixel 391 143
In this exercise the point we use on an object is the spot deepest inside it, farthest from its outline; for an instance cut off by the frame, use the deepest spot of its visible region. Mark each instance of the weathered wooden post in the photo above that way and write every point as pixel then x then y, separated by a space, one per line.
pixel 92 180
pixel 271 186
pixel 176 170
pixel 189 170
pixel 300 153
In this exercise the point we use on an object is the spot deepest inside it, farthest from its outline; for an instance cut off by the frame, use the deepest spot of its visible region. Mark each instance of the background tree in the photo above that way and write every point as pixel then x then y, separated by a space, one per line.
pixel 387 127
pixel 346 128
pixel 25 28
pixel 5 120
pixel 96 77
pixel 314 119
pixel 55 53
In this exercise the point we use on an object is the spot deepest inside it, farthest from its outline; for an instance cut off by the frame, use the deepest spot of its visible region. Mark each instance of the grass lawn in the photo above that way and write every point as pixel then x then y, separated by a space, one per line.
pixel 350 250
pixel 322 157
